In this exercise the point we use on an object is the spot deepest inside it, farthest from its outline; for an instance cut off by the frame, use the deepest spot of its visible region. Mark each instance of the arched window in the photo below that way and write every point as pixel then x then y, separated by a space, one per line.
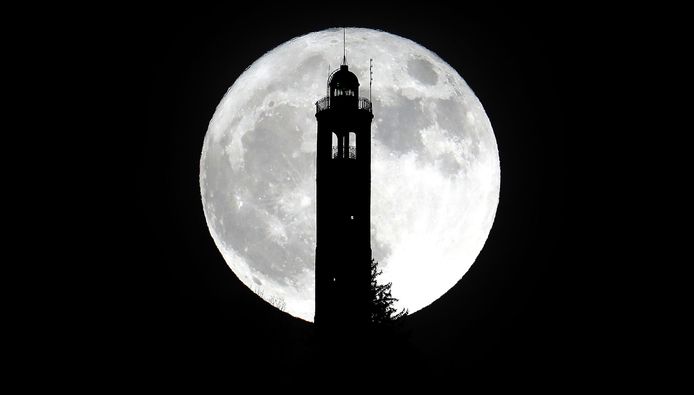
pixel 335 149
pixel 352 145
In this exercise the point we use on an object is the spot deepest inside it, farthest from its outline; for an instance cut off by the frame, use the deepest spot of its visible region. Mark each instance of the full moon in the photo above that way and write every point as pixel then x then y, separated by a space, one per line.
pixel 435 168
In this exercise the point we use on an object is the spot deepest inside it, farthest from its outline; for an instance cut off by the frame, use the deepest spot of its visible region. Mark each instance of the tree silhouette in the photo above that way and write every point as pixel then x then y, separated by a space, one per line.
pixel 382 310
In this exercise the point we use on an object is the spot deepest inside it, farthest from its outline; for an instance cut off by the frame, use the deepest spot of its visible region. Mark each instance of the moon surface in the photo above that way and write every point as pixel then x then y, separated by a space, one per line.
pixel 435 168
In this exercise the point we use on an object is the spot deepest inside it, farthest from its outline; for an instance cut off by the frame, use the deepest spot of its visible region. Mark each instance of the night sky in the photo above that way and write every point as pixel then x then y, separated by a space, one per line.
pixel 177 305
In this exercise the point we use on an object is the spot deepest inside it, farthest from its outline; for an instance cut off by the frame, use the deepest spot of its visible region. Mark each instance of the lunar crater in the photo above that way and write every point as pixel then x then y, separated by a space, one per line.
pixel 422 71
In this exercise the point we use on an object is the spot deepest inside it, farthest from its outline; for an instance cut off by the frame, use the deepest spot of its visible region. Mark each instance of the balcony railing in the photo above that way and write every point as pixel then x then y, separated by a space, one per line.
pixel 351 153
pixel 362 104
pixel 323 104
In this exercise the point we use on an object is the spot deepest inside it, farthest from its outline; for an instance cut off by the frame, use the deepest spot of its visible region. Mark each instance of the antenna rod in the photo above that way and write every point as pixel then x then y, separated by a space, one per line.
pixel 344 45
pixel 371 76
pixel 327 84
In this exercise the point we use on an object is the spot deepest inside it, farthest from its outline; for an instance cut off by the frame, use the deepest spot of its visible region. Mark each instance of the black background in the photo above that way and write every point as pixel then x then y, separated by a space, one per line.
pixel 168 301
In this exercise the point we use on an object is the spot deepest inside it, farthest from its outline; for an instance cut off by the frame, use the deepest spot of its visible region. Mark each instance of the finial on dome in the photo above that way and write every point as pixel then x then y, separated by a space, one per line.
pixel 344 45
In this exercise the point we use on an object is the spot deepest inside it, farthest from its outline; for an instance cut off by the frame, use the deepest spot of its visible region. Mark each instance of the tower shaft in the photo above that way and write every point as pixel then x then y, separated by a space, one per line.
pixel 343 208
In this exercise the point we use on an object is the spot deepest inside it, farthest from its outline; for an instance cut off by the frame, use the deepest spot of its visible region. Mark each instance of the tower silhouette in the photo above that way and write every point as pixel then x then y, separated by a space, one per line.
pixel 343 204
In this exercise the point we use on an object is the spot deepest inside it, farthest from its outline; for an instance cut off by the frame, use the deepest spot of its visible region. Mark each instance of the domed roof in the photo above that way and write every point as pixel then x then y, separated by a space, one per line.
pixel 343 78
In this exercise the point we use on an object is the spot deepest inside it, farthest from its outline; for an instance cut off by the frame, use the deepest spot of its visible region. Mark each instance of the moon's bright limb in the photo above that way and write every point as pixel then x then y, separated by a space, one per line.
pixel 435 168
